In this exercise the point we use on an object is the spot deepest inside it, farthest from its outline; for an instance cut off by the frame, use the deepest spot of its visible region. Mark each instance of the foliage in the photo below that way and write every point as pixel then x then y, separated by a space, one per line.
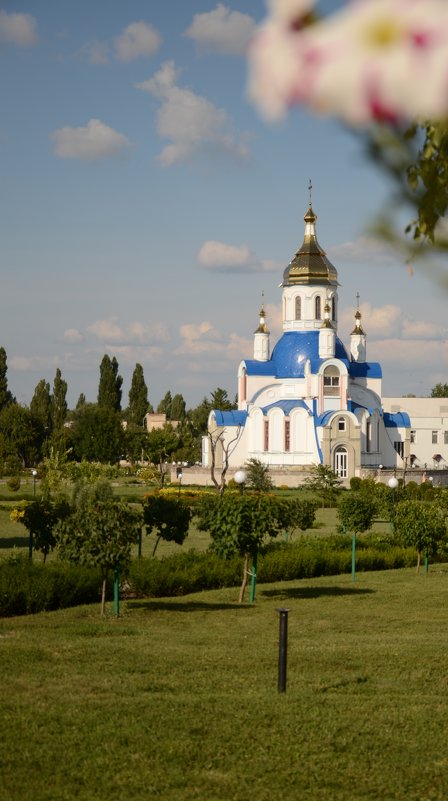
pixel 138 398
pixel 258 476
pixel 421 525
pixel 97 434
pixel 40 518
pixel 440 391
pixel 161 444
pixel 58 402
pixel 178 408
pixel 164 406
pixel 5 395
pixel 109 387
pixel 219 399
pixel 40 406
pixel 13 483
pixel 19 434
pixel 356 512
pixel 169 517
pixel 324 482
pixel 296 514
pixel 99 533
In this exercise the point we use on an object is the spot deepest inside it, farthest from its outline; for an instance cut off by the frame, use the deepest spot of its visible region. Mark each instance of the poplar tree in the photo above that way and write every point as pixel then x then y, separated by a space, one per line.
pixel 178 408
pixel 164 406
pixel 138 397
pixel 5 395
pixel 58 402
pixel 109 388
pixel 41 404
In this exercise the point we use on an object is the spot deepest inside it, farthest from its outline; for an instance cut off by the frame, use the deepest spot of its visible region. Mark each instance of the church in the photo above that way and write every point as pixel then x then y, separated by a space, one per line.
pixel 309 399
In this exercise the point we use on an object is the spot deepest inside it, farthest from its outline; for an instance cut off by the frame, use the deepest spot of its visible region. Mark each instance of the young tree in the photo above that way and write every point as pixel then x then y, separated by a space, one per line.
pixel 258 476
pixel 5 395
pixel 169 517
pixel 160 445
pixel 109 388
pixel 138 397
pixel 99 532
pixel 217 443
pixel 420 524
pixel 240 524
pixel 324 481
pixel 40 518
pixel 356 513
pixel 296 514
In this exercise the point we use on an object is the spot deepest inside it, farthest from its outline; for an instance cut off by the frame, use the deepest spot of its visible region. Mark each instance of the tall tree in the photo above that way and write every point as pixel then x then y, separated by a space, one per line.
pixel 5 395
pixel 81 401
pixel 440 391
pixel 138 397
pixel 220 400
pixel 178 408
pixel 97 434
pixel 109 388
pixel 164 406
pixel 58 402
pixel 40 405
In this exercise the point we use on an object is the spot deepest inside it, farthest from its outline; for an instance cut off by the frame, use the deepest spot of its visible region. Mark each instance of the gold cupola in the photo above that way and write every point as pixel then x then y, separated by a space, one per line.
pixel 310 265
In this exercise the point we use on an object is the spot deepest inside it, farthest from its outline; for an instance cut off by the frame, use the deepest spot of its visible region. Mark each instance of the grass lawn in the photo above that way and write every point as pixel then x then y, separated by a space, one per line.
pixel 177 700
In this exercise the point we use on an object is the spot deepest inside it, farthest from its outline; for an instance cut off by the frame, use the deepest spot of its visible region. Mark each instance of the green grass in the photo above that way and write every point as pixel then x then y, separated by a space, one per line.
pixel 177 700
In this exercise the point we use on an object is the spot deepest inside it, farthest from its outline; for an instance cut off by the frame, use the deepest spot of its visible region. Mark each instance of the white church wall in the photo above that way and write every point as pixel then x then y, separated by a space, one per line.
pixel 429 428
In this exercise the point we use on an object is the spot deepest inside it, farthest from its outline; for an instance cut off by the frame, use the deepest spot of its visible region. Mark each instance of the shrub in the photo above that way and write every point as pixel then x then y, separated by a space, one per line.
pixel 13 483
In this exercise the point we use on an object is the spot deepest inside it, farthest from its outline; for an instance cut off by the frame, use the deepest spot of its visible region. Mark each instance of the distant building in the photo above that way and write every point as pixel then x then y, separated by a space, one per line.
pixel 153 421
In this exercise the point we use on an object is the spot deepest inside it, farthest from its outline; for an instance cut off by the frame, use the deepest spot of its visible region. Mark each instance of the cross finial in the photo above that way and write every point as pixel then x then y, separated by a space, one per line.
pixel 357 300
pixel 310 189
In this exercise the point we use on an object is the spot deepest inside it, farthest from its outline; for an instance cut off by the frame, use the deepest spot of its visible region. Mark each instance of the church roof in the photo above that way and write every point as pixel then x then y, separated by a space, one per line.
pixel 235 417
pixel 287 406
pixel 310 264
pixel 397 420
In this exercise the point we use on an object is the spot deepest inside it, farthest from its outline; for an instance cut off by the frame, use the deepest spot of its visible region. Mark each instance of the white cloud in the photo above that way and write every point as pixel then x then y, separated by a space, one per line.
pixel 204 338
pixel 136 40
pixel 366 249
pixel 219 257
pixel 191 122
pixel 222 30
pixel 72 335
pixel 18 29
pixel 384 320
pixel 137 333
pixel 95 141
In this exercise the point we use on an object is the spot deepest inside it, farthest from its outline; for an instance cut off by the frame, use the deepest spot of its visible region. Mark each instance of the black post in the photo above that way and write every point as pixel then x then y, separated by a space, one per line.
pixel 282 649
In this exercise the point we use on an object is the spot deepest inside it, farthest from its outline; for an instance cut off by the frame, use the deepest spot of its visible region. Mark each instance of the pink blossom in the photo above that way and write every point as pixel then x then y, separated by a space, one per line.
pixel 373 60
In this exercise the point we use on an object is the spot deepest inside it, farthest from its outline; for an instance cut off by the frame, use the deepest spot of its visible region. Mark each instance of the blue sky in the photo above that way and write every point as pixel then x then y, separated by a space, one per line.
pixel 146 206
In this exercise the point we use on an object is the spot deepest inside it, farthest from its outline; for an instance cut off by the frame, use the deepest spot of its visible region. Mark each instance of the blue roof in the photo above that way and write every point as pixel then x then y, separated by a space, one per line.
pixel 287 406
pixel 397 420
pixel 235 417
pixel 292 351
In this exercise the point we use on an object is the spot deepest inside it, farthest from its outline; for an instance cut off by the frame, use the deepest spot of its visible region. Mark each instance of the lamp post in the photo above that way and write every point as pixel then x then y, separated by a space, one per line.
pixel 240 478
pixel 34 482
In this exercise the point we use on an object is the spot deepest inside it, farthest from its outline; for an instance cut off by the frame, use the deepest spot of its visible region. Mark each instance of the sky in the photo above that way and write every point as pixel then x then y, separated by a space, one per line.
pixel 145 205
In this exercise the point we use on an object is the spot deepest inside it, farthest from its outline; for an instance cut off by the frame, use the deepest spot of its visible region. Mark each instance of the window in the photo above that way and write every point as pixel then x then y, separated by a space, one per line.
pixel 341 463
pixel 287 436
pixel 435 437
pixel 399 447
pixel 331 381
pixel 413 436
pixel 333 308
pixel 266 435
pixel 445 437
pixel 318 314
pixel 298 308
pixel 368 436
pixel 341 424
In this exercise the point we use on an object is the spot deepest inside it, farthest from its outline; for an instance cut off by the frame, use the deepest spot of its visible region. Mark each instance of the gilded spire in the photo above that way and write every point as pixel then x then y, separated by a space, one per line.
pixel 262 327
pixel 310 264
pixel 358 329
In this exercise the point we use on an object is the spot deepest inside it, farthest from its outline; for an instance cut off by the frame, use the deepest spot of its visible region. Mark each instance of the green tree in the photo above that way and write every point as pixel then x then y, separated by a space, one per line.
pixel 220 400
pixel 40 518
pixel 258 475
pixel 169 517
pixel 109 388
pixel 164 406
pixel 138 397
pixel 296 514
pixel 97 434
pixel 58 402
pixel 20 434
pixel 356 512
pixel 99 532
pixel 40 405
pixel 5 395
pixel 240 524
pixel 81 401
pixel 178 408
pixel 440 391
pixel 160 445
pixel 324 482
pixel 421 525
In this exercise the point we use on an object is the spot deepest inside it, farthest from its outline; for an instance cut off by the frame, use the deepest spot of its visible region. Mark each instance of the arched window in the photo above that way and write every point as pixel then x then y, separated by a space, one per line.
pixel 331 381
pixel 298 307
pixel 317 303
pixel 341 462
pixel 333 307
pixel 341 424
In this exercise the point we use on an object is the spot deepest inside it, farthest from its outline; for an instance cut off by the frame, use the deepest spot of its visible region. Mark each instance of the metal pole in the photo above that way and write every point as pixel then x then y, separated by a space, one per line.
pixel 253 578
pixel 30 546
pixel 426 563
pixel 117 591
pixel 140 544
pixel 353 556
pixel 282 649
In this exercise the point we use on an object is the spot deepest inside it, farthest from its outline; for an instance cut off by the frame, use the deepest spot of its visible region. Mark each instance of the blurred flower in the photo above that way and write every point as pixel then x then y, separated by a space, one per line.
pixel 376 61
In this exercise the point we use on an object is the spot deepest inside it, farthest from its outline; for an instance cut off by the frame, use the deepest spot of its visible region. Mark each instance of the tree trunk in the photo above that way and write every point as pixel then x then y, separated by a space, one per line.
pixel 244 582
pixel 419 558
pixel 103 595
pixel 155 546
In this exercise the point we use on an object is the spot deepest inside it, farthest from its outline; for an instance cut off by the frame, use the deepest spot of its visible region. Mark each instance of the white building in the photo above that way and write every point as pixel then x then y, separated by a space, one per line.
pixel 311 400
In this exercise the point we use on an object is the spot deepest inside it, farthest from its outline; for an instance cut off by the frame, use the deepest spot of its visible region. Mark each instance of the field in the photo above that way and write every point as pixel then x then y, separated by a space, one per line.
pixel 177 700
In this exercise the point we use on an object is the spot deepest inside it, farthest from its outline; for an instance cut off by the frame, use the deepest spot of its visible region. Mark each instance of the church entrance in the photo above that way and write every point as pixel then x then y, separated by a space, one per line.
pixel 341 463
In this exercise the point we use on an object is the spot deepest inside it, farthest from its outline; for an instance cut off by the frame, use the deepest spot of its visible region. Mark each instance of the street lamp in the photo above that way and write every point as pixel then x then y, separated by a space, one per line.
pixel 393 484
pixel 240 478
pixel 34 482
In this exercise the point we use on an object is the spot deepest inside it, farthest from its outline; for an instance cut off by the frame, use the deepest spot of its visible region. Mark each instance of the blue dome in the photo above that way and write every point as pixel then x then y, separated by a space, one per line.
pixel 295 347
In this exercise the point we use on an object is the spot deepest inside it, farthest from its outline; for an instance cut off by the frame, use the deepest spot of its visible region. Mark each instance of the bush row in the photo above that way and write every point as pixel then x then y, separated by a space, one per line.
pixel 26 587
